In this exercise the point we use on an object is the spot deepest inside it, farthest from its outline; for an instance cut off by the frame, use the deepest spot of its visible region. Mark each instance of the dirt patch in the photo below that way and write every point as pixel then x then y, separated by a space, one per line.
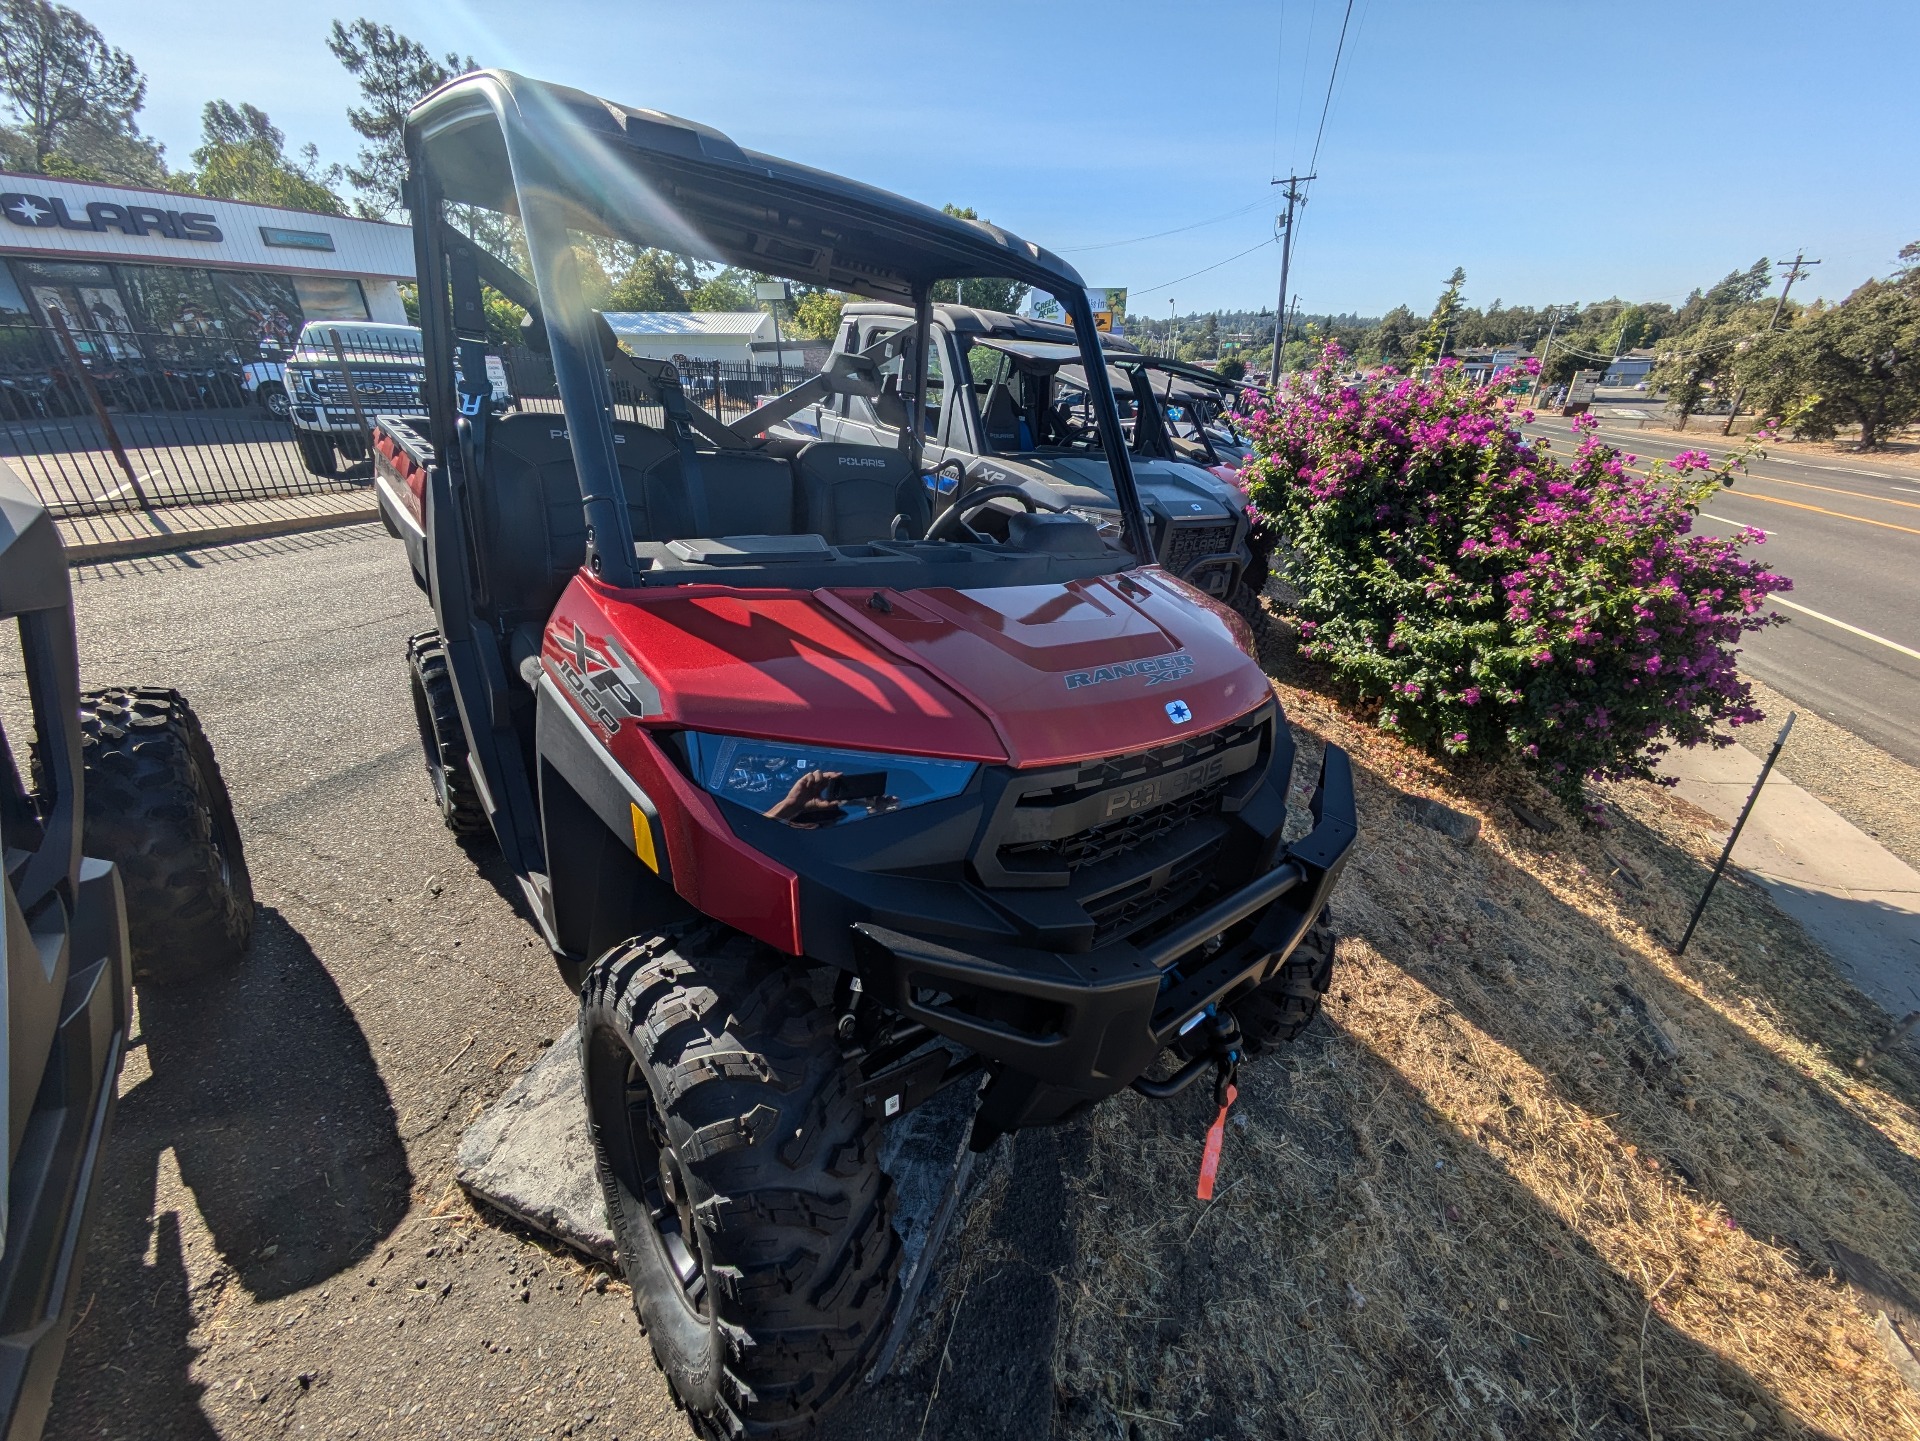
pixel 1877 792
pixel 1530 1175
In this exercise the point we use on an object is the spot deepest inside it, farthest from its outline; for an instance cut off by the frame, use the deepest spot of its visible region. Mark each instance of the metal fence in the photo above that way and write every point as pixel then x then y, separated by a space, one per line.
pixel 727 389
pixel 98 420
pixel 102 420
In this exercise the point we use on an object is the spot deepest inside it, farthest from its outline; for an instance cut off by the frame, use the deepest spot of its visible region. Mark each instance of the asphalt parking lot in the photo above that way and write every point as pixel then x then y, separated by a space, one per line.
pixel 279 1248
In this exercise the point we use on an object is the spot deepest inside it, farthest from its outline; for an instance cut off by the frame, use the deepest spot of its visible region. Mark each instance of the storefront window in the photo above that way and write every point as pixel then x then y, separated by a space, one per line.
pixel 13 305
pixel 262 307
pixel 331 297
pixel 174 300
pixel 87 300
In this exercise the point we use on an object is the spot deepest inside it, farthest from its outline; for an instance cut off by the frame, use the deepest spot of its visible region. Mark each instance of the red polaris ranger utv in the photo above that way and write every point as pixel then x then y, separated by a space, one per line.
pixel 829 783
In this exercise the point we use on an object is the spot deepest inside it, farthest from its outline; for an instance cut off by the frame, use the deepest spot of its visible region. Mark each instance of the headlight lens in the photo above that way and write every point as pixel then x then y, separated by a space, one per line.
pixel 810 786
pixel 1106 522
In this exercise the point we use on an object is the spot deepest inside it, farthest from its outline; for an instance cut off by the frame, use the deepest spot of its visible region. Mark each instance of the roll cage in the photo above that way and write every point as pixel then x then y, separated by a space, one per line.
pixel 562 162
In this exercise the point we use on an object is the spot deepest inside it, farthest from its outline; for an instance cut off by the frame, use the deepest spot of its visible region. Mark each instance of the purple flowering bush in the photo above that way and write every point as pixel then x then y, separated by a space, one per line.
pixel 1500 600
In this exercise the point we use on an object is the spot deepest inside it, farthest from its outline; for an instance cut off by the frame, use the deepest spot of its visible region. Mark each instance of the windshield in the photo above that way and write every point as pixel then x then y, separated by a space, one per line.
pixel 754 424
pixel 1031 397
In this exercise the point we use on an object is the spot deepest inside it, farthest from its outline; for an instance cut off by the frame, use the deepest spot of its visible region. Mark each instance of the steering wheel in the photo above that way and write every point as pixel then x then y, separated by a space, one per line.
pixel 954 517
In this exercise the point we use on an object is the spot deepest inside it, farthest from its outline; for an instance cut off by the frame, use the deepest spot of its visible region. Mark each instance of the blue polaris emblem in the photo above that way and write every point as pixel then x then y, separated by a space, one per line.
pixel 1179 712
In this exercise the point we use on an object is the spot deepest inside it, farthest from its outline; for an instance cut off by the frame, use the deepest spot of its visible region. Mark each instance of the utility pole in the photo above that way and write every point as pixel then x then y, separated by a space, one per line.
pixel 1170 354
pixel 1800 263
pixel 1295 198
pixel 1293 323
pixel 1553 316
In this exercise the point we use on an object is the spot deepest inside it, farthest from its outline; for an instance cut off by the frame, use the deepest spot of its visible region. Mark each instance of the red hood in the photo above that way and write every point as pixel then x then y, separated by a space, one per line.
pixel 1035 675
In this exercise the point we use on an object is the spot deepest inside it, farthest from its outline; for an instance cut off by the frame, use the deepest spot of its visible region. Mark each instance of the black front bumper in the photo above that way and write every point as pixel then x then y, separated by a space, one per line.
pixel 1088 1023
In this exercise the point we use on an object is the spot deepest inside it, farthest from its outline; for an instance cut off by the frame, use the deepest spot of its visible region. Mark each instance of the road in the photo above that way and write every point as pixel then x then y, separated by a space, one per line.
pixel 1847 531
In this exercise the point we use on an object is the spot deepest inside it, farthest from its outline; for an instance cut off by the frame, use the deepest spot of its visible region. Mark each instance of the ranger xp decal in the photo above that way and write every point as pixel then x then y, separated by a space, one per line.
pixel 604 681
pixel 1157 670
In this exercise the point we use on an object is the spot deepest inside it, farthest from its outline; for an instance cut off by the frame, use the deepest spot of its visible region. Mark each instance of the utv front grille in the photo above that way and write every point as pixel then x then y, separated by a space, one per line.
pixel 1131 908
pixel 1188 544
pixel 1112 806
pixel 1114 838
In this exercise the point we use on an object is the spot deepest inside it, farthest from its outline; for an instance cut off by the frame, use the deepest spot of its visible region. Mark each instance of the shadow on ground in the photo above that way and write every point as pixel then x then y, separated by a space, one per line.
pixel 261 1094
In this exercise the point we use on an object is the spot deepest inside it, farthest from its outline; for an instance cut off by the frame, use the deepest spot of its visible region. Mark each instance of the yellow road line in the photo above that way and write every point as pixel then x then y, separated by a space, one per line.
pixel 1837 514
pixel 1835 490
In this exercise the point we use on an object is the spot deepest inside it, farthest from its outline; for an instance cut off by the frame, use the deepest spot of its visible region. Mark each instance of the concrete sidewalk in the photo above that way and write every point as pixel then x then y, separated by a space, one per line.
pixel 1851 894
pixel 152 532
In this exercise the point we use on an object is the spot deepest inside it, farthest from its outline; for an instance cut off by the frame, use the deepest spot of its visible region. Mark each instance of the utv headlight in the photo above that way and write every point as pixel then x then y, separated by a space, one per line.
pixel 1105 522
pixel 806 785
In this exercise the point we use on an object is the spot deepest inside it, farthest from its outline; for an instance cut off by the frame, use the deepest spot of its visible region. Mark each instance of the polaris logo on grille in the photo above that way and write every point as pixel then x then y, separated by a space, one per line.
pixel 1155 670
pixel 1164 789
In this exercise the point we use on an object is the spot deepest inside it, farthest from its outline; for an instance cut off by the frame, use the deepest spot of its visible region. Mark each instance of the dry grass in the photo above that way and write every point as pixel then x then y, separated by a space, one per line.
pixel 1476 1201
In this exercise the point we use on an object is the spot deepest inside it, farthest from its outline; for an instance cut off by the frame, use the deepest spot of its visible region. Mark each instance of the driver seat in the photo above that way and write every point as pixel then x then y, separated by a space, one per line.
pixel 1000 419
pixel 854 493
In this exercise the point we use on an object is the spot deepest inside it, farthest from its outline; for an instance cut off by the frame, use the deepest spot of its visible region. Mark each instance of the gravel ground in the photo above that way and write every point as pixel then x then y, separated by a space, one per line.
pixel 1877 792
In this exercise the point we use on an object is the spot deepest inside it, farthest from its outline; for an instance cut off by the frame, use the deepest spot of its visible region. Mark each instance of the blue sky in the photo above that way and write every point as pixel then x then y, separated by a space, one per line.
pixel 1557 151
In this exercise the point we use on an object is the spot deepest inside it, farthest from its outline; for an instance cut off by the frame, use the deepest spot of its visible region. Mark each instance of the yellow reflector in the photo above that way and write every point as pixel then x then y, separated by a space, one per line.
pixel 643 839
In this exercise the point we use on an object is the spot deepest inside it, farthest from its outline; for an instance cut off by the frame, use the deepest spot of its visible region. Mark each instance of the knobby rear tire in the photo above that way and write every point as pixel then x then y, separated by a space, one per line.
pixel 157 807
pixel 443 743
pixel 721 1106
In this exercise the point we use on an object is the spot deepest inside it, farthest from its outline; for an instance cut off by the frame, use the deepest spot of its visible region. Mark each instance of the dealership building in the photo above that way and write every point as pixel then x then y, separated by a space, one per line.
pixel 116 259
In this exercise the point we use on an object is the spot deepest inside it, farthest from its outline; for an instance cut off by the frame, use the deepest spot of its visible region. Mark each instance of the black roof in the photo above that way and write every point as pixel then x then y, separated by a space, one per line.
pixel 493 137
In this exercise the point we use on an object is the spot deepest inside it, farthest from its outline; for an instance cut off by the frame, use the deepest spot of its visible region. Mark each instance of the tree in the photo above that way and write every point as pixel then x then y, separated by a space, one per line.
pixel 985 293
pixel 727 289
pixel 648 284
pixel 1856 363
pixel 1393 338
pixel 73 95
pixel 1699 363
pixel 1446 314
pixel 393 72
pixel 816 315
pixel 1908 275
pixel 242 156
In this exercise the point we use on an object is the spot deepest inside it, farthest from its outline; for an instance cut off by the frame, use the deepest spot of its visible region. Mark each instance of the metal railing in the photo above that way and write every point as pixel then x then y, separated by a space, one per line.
pixel 106 419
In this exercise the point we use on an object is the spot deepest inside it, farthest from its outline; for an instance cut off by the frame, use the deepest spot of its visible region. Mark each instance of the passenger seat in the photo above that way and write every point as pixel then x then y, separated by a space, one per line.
pixel 851 493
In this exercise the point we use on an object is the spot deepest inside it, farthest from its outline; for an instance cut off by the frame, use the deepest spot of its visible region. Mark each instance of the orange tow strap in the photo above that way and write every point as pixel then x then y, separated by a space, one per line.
pixel 1210 1156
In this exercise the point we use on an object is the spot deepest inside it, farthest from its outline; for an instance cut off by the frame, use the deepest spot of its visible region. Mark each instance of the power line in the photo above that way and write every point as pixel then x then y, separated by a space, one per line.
pixel 1332 74
pixel 1205 268
pixel 1158 234
pixel 1279 53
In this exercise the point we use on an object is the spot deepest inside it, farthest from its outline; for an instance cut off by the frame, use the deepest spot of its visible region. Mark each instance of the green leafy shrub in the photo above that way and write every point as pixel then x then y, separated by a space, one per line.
pixel 1498 600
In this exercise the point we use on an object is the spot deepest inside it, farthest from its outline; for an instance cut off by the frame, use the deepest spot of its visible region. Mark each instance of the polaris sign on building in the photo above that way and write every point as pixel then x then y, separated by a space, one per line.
pixel 115 259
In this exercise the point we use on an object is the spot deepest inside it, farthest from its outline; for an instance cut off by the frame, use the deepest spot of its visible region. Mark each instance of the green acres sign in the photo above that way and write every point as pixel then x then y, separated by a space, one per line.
pixel 40 212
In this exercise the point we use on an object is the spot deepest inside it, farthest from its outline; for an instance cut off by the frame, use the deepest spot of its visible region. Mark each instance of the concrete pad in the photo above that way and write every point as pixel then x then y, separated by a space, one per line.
pixel 1853 896
pixel 531 1157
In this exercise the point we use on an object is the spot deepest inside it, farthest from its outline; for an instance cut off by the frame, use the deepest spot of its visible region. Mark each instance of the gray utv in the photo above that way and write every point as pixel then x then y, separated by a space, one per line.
pixel 1023 416
pixel 122 825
